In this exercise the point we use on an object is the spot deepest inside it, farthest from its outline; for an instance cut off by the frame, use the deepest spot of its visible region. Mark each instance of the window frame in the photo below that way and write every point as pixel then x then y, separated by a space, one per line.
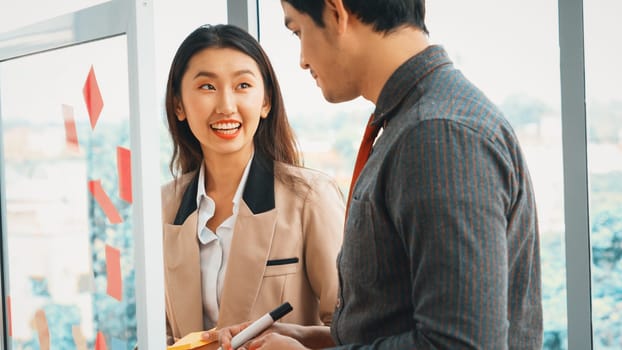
pixel 135 19
pixel 575 162
pixel 113 18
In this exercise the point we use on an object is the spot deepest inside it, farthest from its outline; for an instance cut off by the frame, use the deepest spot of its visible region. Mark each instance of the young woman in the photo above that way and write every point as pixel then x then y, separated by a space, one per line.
pixel 246 227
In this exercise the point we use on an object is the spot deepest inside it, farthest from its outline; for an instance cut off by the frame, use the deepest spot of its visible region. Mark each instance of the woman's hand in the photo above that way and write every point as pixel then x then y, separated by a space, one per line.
pixel 224 335
pixel 280 336
pixel 210 335
pixel 274 341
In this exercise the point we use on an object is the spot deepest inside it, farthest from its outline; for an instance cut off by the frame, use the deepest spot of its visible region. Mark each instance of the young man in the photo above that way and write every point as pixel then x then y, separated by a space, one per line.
pixel 441 246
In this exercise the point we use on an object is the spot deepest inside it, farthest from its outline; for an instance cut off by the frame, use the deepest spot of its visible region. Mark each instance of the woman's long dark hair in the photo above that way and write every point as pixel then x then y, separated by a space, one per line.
pixel 274 138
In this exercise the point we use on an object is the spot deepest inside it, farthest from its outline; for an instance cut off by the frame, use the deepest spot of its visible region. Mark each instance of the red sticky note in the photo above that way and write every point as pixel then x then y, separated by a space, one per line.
pixel 8 315
pixel 41 324
pixel 71 134
pixel 95 186
pixel 100 342
pixel 92 97
pixel 124 166
pixel 113 271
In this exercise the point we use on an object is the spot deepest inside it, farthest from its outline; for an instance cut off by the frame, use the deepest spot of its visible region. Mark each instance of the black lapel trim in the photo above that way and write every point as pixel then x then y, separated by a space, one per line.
pixel 258 193
pixel 259 190
pixel 188 201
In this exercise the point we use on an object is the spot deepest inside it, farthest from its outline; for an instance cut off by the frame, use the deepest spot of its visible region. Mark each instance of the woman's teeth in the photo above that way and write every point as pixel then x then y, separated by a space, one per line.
pixel 226 128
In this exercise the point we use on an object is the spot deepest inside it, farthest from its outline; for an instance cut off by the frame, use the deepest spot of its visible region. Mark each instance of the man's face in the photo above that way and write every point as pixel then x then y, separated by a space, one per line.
pixel 322 52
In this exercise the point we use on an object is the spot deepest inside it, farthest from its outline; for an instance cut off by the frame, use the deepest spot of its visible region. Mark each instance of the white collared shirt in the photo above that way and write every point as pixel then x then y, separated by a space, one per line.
pixel 214 247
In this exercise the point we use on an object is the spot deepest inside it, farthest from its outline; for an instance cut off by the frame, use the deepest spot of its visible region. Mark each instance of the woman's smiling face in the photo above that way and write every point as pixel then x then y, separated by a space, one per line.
pixel 223 99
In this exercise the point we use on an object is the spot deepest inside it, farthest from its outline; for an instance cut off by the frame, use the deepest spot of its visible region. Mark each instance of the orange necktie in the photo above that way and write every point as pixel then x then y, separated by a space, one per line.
pixel 371 131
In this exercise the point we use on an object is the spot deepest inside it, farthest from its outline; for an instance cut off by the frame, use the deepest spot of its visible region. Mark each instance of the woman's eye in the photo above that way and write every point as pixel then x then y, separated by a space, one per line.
pixel 244 85
pixel 207 87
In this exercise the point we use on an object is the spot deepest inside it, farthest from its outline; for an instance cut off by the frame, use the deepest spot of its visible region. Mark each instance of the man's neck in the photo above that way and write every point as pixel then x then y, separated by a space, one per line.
pixel 384 54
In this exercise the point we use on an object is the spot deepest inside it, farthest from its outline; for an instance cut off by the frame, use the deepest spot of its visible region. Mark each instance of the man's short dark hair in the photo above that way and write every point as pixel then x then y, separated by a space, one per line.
pixel 384 15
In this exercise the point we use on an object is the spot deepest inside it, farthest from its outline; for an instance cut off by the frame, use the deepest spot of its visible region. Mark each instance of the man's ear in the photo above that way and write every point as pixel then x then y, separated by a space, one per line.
pixel 179 110
pixel 337 13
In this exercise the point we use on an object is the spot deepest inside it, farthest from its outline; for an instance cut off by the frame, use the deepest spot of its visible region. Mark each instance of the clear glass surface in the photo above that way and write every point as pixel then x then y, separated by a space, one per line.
pixel 65 132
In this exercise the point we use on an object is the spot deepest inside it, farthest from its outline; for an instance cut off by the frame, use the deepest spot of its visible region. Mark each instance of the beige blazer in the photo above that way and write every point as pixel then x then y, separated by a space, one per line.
pixel 284 248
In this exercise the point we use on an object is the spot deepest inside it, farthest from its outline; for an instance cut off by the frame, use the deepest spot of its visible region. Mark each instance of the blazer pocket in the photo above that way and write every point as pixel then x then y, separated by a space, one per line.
pixel 277 267
pixel 287 261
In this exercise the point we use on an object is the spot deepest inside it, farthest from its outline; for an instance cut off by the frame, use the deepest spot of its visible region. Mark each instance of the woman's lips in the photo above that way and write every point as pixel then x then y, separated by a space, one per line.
pixel 226 129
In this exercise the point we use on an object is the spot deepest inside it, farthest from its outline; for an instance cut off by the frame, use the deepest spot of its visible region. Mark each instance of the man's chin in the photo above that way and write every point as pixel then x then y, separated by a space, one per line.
pixel 336 98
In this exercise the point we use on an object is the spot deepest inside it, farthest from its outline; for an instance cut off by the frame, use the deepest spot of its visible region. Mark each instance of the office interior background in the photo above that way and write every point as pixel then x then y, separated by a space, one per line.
pixel 84 151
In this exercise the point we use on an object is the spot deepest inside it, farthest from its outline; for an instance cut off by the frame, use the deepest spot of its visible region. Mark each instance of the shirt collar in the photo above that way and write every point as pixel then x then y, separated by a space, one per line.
pixel 405 79
pixel 201 188
pixel 240 191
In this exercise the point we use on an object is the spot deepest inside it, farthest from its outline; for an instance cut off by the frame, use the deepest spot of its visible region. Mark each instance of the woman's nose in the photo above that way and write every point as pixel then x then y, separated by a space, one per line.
pixel 226 103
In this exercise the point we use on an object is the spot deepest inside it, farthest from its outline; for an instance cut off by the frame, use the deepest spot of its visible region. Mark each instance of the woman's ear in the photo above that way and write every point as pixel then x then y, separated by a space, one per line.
pixel 179 110
pixel 265 109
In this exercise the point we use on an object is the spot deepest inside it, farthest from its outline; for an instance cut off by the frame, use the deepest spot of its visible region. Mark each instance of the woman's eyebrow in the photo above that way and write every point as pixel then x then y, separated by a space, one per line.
pixel 214 75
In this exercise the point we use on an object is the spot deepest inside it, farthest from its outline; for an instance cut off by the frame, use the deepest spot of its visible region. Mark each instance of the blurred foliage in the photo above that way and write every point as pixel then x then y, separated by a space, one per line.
pixel 522 110
pixel 553 290
pixel 604 121
pixel 606 242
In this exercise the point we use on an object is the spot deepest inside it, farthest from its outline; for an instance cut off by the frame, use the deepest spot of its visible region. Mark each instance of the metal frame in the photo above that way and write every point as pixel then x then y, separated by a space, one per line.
pixel 4 260
pixel 576 188
pixel 97 22
pixel 147 224
pixel 245 14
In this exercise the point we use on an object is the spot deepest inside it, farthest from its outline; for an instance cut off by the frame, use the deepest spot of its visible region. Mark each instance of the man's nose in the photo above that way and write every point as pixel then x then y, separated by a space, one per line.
pixel 303 61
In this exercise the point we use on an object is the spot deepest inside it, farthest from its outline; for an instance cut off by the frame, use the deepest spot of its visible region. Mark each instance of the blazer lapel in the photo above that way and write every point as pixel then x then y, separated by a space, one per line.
pixel 182 266
pixel 247 261
pixel 184 275
pixel 252 239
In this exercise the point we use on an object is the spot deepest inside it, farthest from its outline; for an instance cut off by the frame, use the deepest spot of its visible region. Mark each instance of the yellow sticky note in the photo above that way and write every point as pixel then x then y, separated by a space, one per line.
pixel 190 341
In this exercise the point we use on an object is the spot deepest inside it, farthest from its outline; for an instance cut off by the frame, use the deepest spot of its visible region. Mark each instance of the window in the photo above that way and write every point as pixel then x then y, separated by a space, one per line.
pixel 604 126
pixel 30 11
pixel 65 132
